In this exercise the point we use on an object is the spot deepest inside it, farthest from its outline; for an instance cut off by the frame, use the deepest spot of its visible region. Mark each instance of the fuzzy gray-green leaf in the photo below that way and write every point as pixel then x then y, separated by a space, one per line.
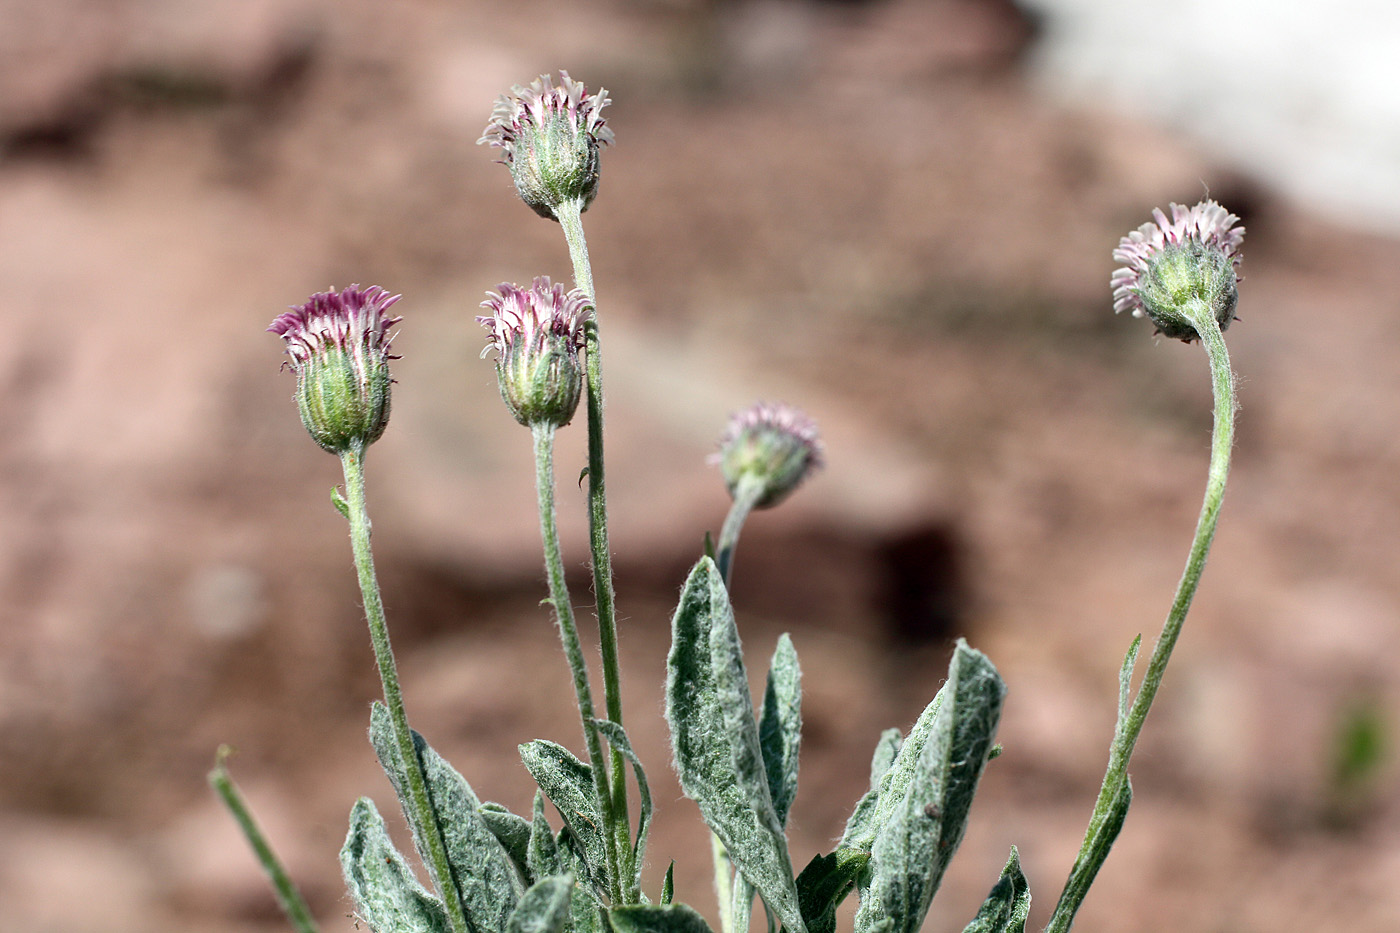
pixel 824 884
pixel 860 828
pixel 1009 903
pixel 780 726
pixel 544 908
pixel 484 874
pixel 511 830
pixel 616 736
pixel 542 854
pixel 386 894
pixel 658 918
pixel 568 783
pixel 715 740
pixel 926 820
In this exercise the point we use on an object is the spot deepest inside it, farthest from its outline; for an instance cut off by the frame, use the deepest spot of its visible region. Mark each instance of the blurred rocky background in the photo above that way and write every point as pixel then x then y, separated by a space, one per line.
pixel 896 214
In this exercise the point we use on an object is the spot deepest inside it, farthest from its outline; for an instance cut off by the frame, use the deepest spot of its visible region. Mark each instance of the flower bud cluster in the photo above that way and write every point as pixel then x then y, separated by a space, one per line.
pixel 537 333
pixel 775 447
pixel 1175 270
pixel 338 344
pixel 550 136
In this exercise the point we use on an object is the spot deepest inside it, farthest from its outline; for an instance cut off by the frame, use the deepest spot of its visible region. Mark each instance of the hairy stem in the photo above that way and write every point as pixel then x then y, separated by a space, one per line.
pixel 568 634
pixel 293 905
pixel 420 804
pixel 570 216
pixel 1103 824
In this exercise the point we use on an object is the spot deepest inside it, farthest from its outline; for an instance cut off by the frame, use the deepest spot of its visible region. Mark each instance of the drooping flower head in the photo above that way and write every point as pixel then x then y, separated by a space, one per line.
pixel 1175 269
pixel 338 344
pixel 537 333
pixel 550 136
pixel 775 447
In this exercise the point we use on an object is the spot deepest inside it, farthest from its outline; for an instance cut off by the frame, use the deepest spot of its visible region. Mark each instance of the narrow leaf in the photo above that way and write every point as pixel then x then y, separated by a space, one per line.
pixel 568 783
pixel 780 726
pixel 544 908
pixel 658 918
pixel 1009 903
pixel 1125 684
pixel 824 884
pixel 860 828
pixel 926 824
pixel 386 894
pixel 716 744
pixel 668 884
pixel 542 855
pixel 483 872
pixel 338 500
pixel 617 738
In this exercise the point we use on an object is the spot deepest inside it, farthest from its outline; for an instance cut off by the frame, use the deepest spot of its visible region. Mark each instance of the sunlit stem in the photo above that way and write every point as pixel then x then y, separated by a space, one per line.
pixel 1099 837
pixel 568 634
pixel 420 807
pixel 570 216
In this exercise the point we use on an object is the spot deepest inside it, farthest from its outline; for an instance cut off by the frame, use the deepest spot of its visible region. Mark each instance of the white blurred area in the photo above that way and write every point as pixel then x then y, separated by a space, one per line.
pixel 1303 94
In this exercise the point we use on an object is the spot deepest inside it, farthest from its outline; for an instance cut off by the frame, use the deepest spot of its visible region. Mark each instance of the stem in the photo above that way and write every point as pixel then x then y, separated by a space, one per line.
pixel 1097 842
pixel 746 496
pixel 568 633
pixel 729 887
pixel 570 216
pixel 420 804
pixel 287 894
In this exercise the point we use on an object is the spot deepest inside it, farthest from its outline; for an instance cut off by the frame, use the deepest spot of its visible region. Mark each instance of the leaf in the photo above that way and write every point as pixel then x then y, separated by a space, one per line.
pixel 544 908
pixel 1125 684
pixel 780 726
pixel 482 871
pixel 926 820
pixel 568 783
pixel 824 884
pixel 542 853
pixel 716 744
pixel 860 828
pixel 338 500
pixel 617 738
pixel 1009 903
pixel 510 830
pixel 668 884
pixel 386 894
pixel 658 918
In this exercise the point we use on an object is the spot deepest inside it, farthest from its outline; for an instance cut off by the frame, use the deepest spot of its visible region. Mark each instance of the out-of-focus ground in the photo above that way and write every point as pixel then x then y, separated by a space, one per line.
pixel 862 209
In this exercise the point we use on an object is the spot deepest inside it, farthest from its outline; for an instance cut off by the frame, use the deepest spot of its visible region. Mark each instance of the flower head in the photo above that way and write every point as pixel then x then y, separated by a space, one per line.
pixel 537 333
pixel 550 136
pixel 773 446
pixel 1174 270
pixel 338 344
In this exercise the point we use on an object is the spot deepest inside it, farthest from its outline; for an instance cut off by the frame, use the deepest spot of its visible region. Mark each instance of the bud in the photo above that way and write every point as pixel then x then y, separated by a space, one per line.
pixel 1172 269
pixel 772 446
pixel 339 348
pixel 537 333
pixel 550 137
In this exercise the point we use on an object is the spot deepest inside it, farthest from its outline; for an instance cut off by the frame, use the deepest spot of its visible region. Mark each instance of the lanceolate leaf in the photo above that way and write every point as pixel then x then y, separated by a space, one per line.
pixel 512 831
pixel 716 743
pixel 860 828
pixel 780 726
pixel 542 856
pixel 568 783
pixel 824 884
pixel 926 820
pixel 386 894
pixel 486 877
pixel 1007 906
